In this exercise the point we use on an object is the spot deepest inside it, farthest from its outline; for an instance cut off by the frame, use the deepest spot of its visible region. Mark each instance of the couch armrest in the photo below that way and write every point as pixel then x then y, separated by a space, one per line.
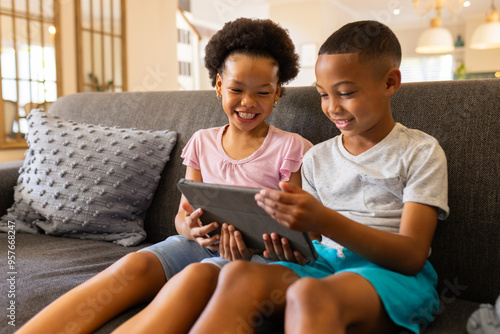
pixel 9 172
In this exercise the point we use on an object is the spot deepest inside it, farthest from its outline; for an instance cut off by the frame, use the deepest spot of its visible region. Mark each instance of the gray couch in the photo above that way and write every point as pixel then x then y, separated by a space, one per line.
pixel 462 115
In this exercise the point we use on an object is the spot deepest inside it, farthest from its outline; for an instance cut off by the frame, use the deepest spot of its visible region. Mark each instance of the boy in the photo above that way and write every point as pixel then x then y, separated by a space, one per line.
pixel 375 193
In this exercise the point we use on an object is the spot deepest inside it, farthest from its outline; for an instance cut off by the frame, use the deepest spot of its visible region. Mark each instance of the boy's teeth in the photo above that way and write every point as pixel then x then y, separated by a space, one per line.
pixel 342 121
pixel 246 115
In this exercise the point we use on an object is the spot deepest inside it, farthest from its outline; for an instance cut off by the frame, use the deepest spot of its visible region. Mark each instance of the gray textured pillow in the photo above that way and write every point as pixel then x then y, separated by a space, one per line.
pixel 87 181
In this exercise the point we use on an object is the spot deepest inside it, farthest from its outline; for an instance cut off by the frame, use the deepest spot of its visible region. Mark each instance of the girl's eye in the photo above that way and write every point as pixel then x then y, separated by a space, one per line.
pixel 323 96
pixel 346 94
pixel 264 93
pixel 235 90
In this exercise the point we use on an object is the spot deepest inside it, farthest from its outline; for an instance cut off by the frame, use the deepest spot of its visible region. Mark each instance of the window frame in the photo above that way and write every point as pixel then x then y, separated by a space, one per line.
pixel 82 84
pixel 40 18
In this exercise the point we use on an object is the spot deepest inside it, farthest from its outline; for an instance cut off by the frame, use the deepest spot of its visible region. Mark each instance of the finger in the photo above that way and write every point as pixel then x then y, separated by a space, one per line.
pixel 187 207
pixel 290 187
pixel 277 246
pixel 269 252
pixel 204 230
pixel 300 258
pixel 233 245
pixel 277 196
pixel 242 247
pixel 287 250
pixel 283 217
pixel 224 242
pixel 211 242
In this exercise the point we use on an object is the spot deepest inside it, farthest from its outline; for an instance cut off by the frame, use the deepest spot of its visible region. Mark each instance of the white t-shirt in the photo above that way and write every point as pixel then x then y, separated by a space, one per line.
pixel 371 188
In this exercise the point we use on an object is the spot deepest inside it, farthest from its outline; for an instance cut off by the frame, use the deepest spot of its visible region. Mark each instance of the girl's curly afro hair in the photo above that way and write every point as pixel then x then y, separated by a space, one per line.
pixel 253 37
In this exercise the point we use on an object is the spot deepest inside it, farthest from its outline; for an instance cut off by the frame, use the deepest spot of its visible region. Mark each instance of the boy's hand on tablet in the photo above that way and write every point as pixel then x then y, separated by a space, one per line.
pixel 278 249
pixel 293 207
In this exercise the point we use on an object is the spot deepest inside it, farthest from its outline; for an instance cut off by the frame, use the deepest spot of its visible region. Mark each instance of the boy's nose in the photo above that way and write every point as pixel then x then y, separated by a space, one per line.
pixel 334 108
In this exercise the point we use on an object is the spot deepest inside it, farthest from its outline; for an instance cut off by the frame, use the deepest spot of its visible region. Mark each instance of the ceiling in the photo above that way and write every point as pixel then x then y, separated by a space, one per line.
pixel 370 9
pixel 220 11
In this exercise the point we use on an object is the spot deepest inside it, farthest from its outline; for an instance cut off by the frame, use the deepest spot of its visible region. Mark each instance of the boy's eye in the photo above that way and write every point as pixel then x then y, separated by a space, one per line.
pixel 264 93
pixel 345 94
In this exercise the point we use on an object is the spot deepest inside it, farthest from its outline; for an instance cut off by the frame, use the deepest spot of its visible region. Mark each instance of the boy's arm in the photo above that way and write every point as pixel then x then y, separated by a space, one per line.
pixel 405 252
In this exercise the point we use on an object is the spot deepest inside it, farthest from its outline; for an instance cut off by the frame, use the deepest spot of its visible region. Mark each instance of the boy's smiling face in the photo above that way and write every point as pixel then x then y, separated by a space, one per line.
pixel 356 98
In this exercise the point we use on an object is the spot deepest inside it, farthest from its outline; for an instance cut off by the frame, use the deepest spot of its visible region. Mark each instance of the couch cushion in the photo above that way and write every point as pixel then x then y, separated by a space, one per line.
pixel 48 266
pixel 87 181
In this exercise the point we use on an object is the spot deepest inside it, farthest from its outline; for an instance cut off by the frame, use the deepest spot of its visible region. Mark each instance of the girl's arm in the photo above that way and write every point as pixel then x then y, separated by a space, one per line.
pixel 187 221
pixel 405 252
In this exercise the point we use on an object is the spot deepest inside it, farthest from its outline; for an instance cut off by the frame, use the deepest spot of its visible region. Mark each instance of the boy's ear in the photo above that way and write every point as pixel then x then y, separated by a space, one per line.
pixel 392 81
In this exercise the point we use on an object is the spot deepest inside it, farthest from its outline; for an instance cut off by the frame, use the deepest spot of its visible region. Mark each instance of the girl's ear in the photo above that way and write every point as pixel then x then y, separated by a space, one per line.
pixel 392 81
pixel 218 84
pixel 278 92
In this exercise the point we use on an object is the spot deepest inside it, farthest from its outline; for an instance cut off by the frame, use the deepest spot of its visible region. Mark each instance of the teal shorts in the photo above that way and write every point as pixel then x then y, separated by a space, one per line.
pixel 410 301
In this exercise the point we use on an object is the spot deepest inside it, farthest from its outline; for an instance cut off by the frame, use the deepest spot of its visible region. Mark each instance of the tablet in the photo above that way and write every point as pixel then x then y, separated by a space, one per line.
pixel 237 206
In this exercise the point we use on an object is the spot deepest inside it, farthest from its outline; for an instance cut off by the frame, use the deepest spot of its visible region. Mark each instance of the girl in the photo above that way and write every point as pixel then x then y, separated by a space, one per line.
pixel 248 61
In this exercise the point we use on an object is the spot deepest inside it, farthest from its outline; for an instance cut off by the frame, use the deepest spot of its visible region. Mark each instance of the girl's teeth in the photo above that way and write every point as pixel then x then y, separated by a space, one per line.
pixel 246 115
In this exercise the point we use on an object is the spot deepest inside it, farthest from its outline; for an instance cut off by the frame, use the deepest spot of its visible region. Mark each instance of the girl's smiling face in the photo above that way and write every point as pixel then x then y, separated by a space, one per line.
pixel 249 87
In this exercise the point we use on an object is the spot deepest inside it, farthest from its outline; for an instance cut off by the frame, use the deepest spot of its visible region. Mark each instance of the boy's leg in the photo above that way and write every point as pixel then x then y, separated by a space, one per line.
pixel 246 294
pixel 340 303
pixel 132 280
pixel 178 304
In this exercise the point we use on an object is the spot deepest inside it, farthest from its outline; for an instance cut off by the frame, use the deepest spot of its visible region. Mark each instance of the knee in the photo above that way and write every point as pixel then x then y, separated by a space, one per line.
pixel 138 265
pixel 308 295
pixel 240 274
pixel 200 273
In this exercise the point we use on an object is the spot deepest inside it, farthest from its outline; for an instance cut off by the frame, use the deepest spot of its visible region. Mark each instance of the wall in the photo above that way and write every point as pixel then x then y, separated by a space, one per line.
pixel 151 45
pixel 309 23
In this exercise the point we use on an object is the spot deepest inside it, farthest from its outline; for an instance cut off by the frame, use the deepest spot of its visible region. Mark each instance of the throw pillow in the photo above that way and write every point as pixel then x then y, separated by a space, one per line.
pixel 87 181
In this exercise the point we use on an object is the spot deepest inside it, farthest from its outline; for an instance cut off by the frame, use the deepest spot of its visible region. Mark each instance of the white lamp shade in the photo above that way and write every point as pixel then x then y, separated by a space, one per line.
pixel 486 36
pixel 435 40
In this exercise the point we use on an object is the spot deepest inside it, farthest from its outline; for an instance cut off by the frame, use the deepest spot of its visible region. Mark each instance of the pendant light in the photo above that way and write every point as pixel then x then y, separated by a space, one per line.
pixel 435 39
pixel 487 35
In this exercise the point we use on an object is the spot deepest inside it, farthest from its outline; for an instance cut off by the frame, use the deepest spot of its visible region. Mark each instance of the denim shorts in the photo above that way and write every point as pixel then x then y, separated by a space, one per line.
pixel 410 301
pixel 176 252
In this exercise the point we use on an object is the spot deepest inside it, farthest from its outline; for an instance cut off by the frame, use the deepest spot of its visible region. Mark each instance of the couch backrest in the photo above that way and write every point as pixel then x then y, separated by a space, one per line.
pixel 462 115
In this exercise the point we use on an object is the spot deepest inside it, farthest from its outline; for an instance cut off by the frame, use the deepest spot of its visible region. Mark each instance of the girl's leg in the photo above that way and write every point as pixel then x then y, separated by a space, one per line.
pixel 246 294
pixel 132 280
pixel 340 303
pixel 178 304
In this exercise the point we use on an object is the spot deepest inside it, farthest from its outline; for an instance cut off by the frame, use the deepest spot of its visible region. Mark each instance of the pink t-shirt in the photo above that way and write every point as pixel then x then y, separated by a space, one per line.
pixel 277 158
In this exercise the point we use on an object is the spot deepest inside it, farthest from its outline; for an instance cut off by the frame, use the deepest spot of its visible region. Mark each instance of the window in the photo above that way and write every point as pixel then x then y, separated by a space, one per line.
pixel 432 68
pixel 28 67
pixel 101 45
pixel 183 36
pixel 185 68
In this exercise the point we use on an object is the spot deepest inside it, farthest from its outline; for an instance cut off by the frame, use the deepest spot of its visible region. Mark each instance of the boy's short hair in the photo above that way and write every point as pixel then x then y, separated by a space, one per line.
pixel 374 42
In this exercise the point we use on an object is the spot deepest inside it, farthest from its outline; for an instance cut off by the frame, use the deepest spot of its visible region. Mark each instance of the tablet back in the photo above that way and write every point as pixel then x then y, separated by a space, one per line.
pixel 236 206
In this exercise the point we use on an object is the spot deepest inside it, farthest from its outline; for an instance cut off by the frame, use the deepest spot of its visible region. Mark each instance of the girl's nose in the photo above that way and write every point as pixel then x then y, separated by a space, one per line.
pixel 247 101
